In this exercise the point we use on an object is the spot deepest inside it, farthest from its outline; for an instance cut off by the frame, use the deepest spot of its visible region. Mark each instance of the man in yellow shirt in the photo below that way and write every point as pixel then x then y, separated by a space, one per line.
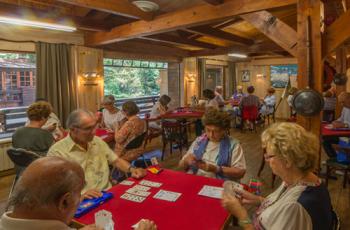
pixel 91 153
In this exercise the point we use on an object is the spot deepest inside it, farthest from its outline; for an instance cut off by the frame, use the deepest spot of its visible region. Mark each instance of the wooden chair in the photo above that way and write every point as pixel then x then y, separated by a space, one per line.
pixel 151 132
pixel 271 115
pixel 332 164
pixel 249 113
pixel 174 132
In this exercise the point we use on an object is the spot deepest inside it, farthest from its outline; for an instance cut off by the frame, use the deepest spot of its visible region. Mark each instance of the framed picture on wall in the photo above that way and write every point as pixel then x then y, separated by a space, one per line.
pixel 280 75
pixel 245 75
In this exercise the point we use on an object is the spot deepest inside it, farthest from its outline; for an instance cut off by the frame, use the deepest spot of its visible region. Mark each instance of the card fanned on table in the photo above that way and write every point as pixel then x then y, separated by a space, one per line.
pixel 132 197
pixel 127 182
pixel 167 195
pixel 211 191
pixel 150 183
pixel 138 192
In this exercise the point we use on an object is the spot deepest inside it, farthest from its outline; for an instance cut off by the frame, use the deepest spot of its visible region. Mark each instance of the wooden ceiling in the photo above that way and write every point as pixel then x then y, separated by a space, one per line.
pixel 180 28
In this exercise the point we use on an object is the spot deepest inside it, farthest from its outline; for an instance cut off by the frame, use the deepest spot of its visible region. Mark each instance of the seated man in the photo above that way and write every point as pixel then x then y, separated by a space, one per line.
pixel 52 207
pixel 342 122
pixel 91 153
pixel 215 154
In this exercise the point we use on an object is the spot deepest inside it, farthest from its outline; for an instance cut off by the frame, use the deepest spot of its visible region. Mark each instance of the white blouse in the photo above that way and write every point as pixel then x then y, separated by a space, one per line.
pixel 112 120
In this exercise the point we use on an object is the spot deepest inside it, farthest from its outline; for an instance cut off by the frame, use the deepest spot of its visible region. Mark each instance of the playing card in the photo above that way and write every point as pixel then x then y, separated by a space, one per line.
pixel 131 197
pixel 211 191
pixel 138 192
pixel 103 220
pixel 141 187
pixel 150 183
pixel 231 187
pixel 126 182
pixel 167 195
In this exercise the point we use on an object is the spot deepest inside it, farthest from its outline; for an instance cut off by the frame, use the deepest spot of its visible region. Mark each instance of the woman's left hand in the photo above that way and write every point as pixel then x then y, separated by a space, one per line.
pixel 233 205
pixel 138 173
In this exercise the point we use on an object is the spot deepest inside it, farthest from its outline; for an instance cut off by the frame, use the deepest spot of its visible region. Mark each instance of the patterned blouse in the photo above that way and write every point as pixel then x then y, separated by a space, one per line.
pixel 132 128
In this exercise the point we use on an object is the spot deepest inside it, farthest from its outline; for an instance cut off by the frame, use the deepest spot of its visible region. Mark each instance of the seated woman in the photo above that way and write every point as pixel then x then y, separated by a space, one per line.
pixel 159 108
pixel 269 103
pixel 32 137
pixel 132 128
pixel 215 154
pixel 210 100
pixel 112 117
pixel 302 201
pixel 53 123
pixel 291 92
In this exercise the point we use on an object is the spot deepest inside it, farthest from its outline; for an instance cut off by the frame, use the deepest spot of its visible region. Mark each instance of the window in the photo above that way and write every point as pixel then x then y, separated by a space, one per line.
pixel 132 78
pixel 17 84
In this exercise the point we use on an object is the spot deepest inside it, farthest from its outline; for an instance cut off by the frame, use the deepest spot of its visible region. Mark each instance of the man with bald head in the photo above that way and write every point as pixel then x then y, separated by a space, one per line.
pixel 47 195
pixel 91 153
pixel 342 122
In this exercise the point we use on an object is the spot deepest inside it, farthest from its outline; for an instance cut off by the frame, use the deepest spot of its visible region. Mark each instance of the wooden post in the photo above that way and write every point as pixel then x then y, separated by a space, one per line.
pixel 310 8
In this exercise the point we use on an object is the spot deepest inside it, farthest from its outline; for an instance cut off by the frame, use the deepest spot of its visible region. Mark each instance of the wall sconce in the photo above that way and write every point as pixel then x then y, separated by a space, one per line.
pixel 191 77
pixel 260 76
pixel 90 75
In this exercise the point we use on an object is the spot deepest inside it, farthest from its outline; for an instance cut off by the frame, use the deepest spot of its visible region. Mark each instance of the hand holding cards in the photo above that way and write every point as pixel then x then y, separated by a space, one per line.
pixel 233 188
pixel 103 220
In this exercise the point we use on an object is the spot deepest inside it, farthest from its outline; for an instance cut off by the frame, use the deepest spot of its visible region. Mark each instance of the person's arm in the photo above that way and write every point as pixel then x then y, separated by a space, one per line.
pixel 122 134
pixel 126 167
pixel 187 160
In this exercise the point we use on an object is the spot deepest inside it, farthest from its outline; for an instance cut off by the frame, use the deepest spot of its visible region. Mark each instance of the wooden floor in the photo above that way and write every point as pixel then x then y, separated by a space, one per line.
pixel 253 153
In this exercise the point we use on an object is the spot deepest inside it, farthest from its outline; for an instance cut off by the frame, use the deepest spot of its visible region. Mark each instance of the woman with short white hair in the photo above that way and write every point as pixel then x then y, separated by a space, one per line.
pixel 302 201
pixel 112 117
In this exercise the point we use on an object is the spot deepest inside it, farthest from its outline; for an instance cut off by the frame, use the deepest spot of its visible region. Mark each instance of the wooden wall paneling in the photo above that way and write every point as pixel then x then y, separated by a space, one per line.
pixel 340 66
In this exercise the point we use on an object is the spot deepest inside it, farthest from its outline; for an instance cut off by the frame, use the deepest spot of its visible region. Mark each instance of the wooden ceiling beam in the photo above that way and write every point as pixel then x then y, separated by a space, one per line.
pixel 265 47
pixel 180 41
pixel 193 16
pixel 8 10
pixel 278 31
pixel 120 7
pixel 337 33
pixel 142 47
pixel 217 33
pixel 214 2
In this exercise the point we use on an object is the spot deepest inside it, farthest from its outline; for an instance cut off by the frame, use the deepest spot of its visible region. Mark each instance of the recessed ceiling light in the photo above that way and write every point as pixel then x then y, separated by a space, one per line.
pixel 146 6
pixel 44 25
pixel 238 55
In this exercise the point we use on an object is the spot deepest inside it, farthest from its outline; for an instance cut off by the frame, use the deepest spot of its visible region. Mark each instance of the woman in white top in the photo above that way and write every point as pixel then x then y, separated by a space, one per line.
pixel 112 117
pixel 302 201
pixel 211 101
pixel 159 108
pixel 269 102
pixel 214 153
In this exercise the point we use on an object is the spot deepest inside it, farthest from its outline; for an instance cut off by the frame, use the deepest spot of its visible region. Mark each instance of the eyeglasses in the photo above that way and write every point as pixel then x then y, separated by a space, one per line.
pixel 268 157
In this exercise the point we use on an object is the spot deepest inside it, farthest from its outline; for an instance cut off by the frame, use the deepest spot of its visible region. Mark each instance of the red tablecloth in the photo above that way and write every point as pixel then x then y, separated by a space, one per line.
pixel 336 133
pixel 189 211
pixel 183 114
pixel 103 133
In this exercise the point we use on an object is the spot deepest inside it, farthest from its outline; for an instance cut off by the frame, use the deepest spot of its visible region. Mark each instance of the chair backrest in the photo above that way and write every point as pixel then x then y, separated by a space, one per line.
pixel 250 112
pixel 21 157
pixel 136 142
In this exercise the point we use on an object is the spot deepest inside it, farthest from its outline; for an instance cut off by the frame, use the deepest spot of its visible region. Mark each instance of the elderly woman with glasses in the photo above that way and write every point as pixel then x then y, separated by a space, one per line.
pixel 302 201
pixel 112 117
pixel 215 154
pixel 132 128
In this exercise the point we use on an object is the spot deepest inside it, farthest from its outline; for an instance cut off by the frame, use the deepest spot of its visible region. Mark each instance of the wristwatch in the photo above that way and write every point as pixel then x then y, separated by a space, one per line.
pixel 244 222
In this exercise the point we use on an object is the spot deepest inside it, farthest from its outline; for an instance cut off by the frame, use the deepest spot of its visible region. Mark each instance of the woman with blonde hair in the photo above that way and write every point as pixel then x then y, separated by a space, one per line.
pixel 302 201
